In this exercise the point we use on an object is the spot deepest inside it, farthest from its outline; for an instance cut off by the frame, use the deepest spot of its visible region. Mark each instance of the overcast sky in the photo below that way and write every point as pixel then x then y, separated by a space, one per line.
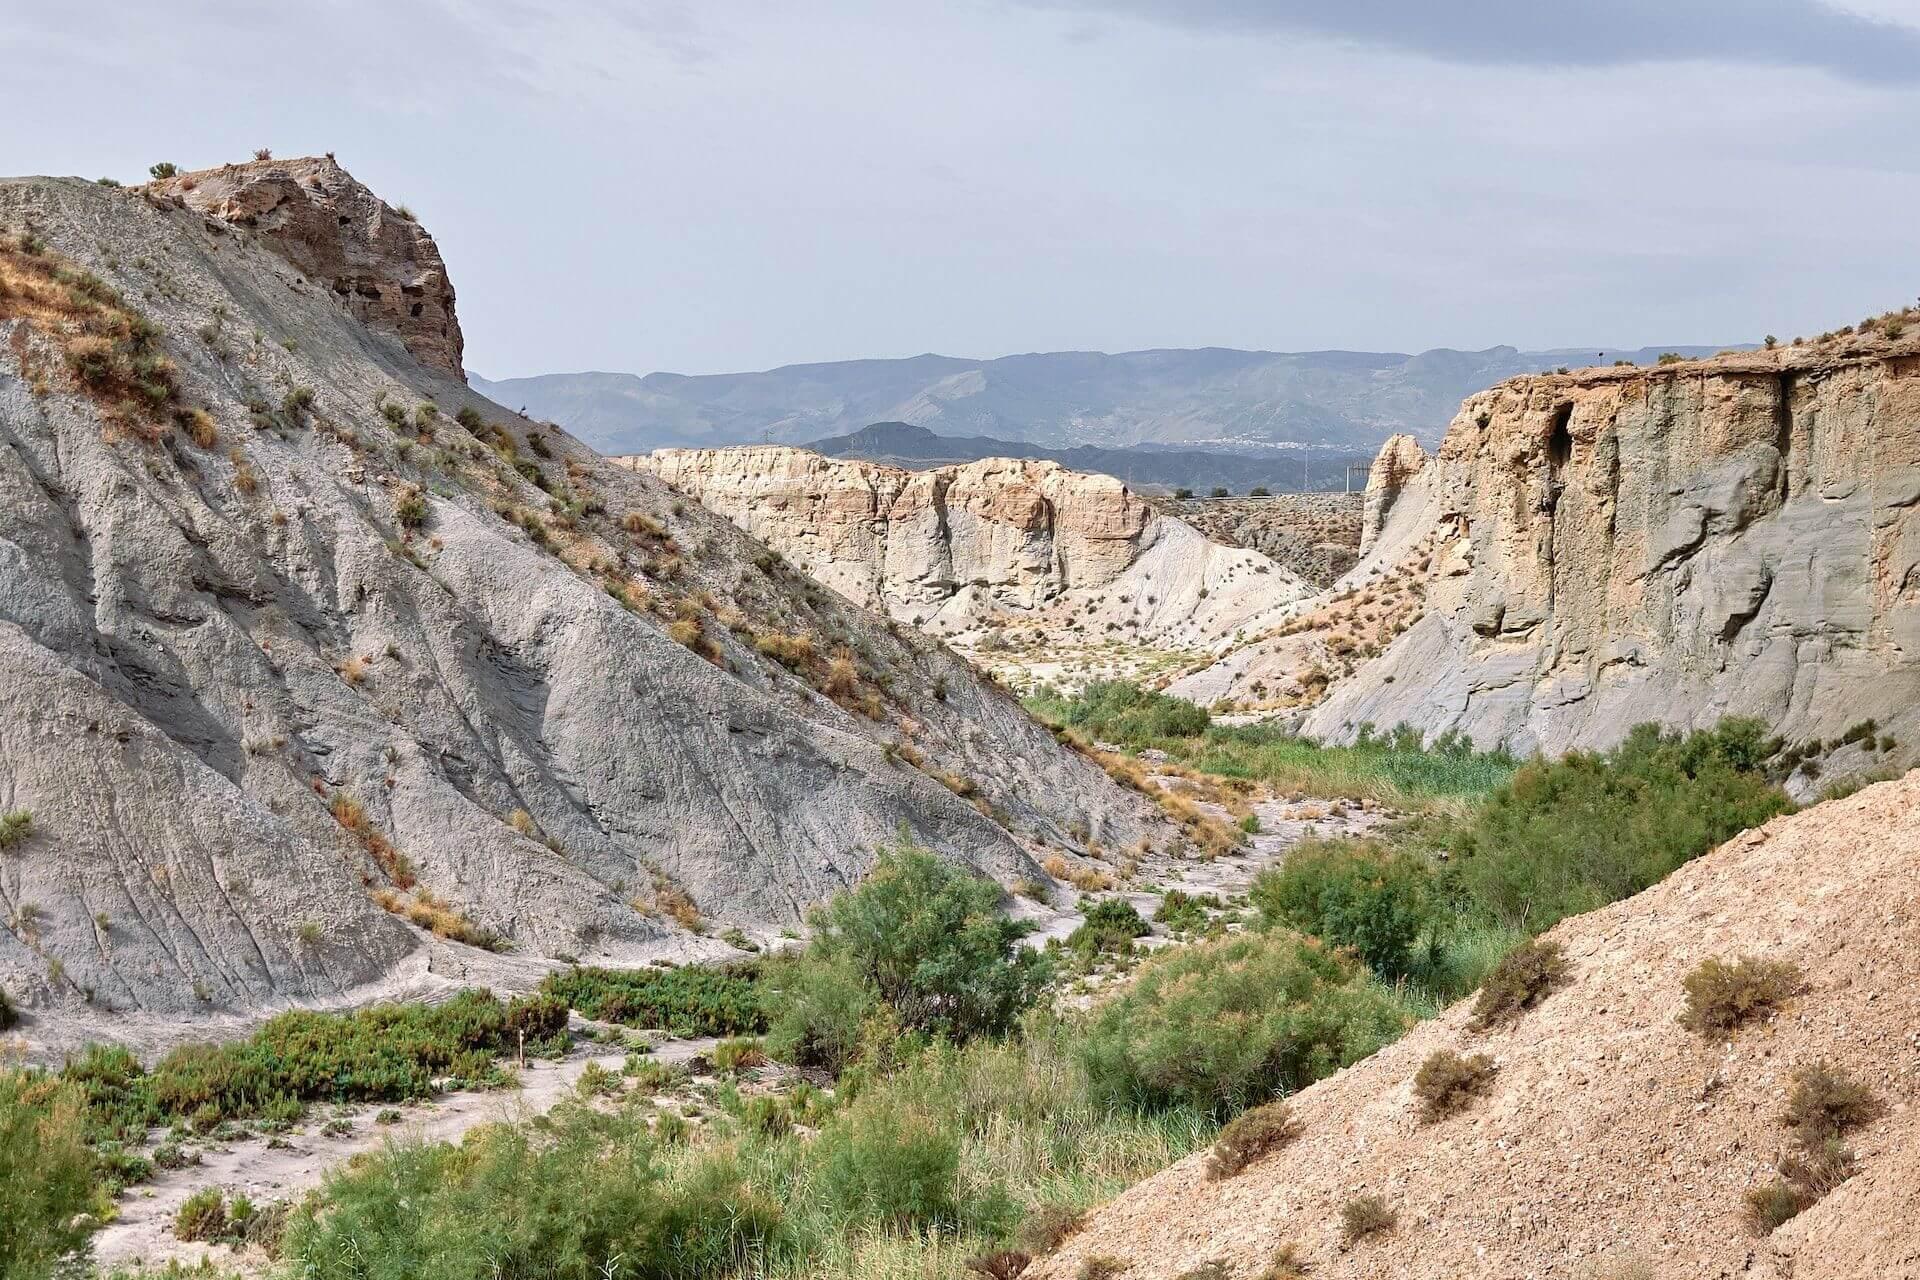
pixel 733 184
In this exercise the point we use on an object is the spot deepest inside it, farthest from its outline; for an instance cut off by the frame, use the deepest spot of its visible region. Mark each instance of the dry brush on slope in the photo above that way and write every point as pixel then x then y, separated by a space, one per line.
pixel 1609 1131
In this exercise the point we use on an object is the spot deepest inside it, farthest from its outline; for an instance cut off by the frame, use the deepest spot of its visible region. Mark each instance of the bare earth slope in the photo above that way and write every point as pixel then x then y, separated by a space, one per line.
pixel 1734 536
pixel 1609 1131
pixel 321 647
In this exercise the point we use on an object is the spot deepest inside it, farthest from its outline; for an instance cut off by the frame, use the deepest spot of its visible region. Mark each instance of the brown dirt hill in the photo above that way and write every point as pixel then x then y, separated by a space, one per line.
pixel 1611 1137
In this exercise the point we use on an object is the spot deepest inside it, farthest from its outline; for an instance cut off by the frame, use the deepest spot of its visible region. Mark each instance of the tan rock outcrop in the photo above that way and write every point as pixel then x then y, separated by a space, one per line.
pixel 378 261
pixel 952 547
pixel 1677 543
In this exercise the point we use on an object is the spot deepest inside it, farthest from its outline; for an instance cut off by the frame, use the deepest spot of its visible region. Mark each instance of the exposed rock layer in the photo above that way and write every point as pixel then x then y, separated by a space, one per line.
pixel 210 642
pixel 378 260
pixel 952 547
pixel 1679 543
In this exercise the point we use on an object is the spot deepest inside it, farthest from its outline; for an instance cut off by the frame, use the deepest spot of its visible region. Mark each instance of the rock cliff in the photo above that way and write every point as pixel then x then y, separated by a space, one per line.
pixel 952 548
pixel 322 671
pixel 1733 536
pixel 378 260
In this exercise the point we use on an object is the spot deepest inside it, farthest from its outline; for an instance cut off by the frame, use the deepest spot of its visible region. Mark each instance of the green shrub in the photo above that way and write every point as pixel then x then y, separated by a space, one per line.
pixel 163 170
pixel 15 827
pixel 1111 925
pixel 1222 1024
pixel 1353 893
pixel 46 1172
pixel 202 1216
pixel 1524 977
pixel 515 1201
pixel 1721 994
pixel 1250 1135
pixel 1122 712
pixel 1573 835
pixel 890 1165
pixel 1826 1102
pixel 824 1008
pixel 690 1001
pixel 1183 912
pixel 540 1017
pixel 929 939
pixel 1364 1216
pixel 1446 1082
pixel 385 1053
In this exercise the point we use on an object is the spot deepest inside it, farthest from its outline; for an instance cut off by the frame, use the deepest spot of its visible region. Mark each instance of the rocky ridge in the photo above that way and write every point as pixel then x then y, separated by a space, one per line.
pixel 325 674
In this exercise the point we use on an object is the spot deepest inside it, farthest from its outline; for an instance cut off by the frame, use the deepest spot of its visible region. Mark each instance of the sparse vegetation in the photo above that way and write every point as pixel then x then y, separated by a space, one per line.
pixel 1824 1105
pixel 1525 976
pixel 1722 994
pixel 1365 1216
pixel 15 827
pixel 1250 1135
pixel 1447 1082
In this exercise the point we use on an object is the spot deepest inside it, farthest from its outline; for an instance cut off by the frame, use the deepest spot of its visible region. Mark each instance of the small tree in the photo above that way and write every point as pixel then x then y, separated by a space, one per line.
pixel 1219 491
pixel 164 170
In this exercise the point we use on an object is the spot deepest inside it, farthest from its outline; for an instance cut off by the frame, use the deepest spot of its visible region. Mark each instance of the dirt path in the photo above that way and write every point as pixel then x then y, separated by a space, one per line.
pixel 144 1230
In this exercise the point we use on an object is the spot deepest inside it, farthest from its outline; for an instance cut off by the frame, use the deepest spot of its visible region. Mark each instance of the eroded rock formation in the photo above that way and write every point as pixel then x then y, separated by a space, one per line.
pixel 315 650
pixel 951 548
pixel 377 259
pixel 1735 536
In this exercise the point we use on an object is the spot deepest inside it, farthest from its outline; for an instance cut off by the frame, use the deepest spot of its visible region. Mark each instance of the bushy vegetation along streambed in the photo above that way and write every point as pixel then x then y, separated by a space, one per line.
pixel 966 1116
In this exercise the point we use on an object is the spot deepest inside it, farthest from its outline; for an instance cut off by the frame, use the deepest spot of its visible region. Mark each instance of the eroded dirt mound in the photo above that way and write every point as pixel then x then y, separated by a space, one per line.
pixel 1315 536
pixel 1611 1137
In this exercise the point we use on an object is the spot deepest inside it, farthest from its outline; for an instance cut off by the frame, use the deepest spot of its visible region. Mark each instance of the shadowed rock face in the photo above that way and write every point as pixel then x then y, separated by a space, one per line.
pixel 953 547
pixel 533 674
pixel 377 260
pixel 1735 536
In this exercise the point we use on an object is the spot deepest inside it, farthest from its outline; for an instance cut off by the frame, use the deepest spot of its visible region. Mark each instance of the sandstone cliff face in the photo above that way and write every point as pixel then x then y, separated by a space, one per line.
pixel 322 644
pixel 1736 536
pixel 953 547
pixel 380 263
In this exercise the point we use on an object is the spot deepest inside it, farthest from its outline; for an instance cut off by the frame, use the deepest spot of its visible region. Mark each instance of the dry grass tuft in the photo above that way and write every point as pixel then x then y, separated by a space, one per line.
pixel 1249 1136
pixel 1447 1082
pixel 1723 994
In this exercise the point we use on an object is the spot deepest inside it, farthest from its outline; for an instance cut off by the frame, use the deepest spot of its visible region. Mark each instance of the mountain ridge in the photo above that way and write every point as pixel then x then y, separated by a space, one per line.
pixel 1168 395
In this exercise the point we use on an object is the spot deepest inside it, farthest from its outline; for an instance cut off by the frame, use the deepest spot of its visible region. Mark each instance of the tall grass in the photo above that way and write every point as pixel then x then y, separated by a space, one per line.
pixel 1398 769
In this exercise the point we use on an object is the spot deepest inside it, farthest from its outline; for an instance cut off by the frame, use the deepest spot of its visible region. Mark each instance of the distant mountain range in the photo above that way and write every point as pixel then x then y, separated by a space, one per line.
pixel 902 444
pixel 1211 396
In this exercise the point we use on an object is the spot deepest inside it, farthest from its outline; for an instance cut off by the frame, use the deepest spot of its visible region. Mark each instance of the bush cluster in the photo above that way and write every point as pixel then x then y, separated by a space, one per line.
pixel 1298 1012
pixel 692 1001
pixel 1446 1082
pixel 386 1053
pixel 1354 893
pixel 921 942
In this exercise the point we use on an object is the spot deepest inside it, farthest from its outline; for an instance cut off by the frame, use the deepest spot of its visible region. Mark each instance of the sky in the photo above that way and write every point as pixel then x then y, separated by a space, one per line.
pixel 738 184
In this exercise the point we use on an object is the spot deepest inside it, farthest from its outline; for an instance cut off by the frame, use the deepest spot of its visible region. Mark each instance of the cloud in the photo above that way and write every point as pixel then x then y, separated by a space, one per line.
pixel 1546 33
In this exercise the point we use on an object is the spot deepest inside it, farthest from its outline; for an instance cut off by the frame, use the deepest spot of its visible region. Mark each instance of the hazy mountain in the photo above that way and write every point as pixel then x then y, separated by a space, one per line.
pixel 1344 399
pixel 902 444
